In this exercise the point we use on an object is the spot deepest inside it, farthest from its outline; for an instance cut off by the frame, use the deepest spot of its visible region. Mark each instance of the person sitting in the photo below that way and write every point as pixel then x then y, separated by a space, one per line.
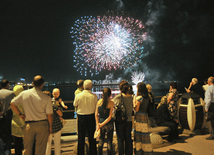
pixel 151 108
pixel 163 118
pixel 172 98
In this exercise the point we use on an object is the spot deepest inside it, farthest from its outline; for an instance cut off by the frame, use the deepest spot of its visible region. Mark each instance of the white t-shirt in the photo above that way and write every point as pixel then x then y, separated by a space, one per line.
pixel 85 102
pixel 36 104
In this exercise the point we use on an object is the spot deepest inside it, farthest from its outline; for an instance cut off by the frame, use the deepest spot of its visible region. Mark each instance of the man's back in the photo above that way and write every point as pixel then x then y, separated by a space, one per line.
pixel 36 104
pixel 5 97
pixel 86 102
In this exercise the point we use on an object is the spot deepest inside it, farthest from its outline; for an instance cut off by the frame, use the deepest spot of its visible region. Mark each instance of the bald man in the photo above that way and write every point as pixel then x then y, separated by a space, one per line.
pixel 38 116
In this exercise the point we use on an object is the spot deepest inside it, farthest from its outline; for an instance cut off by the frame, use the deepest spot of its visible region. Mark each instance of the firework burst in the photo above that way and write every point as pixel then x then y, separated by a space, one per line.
pixel 109 42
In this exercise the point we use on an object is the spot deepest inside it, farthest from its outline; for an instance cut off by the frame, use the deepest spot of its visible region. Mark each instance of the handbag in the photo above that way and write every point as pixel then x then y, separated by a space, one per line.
pixel 97 133
pixel 120 112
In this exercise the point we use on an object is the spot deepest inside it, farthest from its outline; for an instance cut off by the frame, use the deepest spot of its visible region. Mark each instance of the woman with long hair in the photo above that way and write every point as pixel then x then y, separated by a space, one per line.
pixel 104 122
pixel 141 134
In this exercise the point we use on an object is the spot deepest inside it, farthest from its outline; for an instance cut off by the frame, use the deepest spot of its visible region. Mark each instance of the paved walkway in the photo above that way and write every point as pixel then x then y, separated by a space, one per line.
pixel 190 144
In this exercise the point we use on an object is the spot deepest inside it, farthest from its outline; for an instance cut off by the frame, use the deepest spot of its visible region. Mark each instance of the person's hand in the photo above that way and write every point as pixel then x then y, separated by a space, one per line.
pixel 100 125
pixel 60 100
pixel 187 90
pixel 66 107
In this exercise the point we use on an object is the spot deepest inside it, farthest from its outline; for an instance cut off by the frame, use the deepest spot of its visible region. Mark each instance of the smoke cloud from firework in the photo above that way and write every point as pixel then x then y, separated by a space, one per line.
pixel 109 42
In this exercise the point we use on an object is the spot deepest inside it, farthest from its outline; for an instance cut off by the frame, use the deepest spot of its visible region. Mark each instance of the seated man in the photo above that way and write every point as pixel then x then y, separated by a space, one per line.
pixel 163 119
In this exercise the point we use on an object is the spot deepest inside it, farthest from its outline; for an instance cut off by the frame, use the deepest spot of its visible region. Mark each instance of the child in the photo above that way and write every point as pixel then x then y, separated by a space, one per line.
pixel 58 101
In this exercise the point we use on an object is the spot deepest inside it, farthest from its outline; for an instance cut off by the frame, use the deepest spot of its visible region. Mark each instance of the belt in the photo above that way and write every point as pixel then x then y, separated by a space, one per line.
pixel 35 121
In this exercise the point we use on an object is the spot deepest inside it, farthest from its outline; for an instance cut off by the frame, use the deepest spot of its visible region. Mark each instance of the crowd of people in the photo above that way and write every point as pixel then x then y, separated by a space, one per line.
pixel 35 118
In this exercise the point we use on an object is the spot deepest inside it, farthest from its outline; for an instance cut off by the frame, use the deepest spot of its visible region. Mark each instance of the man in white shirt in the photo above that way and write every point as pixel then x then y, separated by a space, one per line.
pixel 209 105
pixel 85 102
pixel 38 116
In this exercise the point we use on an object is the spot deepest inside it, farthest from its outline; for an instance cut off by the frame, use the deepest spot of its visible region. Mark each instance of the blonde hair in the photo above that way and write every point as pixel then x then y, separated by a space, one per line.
pixel 17 89
pixel 148 86
pixel 194 80
pixel 56 89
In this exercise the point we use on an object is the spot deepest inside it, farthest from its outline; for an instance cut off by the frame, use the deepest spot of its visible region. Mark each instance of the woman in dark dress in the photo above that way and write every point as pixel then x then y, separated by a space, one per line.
pixel 104 122
pixel 141 134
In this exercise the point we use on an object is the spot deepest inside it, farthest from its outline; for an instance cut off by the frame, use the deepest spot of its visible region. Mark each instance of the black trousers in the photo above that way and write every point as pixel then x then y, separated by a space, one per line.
pixel 5 133
pixel 86 124
pixel 173 133
pixel 211 109
pixel 19 146
pixel 124 138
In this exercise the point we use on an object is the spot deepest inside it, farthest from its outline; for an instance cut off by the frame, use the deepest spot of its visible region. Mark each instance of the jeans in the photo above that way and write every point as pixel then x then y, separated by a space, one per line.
pixel 57 143
pixel 86 123
pixel 124 136
pixel 109 141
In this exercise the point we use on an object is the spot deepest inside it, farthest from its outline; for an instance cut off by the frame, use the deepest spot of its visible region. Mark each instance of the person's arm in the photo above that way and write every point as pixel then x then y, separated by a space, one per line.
pixel 97 116
pixel 63 104
pixel 75 103
pixel 134 101
pixel 50 121
pixel 169 98
pixel 190 85
pixel 59 112
pixel 109 117
pixel 137 106
pixel 16 110
pixel 207 100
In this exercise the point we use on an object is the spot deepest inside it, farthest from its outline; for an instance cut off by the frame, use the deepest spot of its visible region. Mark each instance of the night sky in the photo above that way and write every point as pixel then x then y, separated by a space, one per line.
pixel 35 38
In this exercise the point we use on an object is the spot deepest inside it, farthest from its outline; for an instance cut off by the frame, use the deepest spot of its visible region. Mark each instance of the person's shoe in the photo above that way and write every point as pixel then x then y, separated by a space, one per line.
pixel 210 138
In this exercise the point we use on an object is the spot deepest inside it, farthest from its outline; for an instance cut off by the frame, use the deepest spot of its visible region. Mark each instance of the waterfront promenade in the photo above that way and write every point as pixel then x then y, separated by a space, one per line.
pixel 191 143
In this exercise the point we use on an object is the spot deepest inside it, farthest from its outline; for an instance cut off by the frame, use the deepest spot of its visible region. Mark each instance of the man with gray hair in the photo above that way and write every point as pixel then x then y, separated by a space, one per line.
pixel 85 102
pixel 209 105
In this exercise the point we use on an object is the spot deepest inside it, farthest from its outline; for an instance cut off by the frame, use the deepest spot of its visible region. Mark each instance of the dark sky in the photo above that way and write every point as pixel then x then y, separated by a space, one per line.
pixel 35 39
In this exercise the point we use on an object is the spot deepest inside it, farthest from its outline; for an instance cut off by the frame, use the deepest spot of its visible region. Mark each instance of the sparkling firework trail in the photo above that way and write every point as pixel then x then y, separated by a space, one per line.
pixel 107 43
